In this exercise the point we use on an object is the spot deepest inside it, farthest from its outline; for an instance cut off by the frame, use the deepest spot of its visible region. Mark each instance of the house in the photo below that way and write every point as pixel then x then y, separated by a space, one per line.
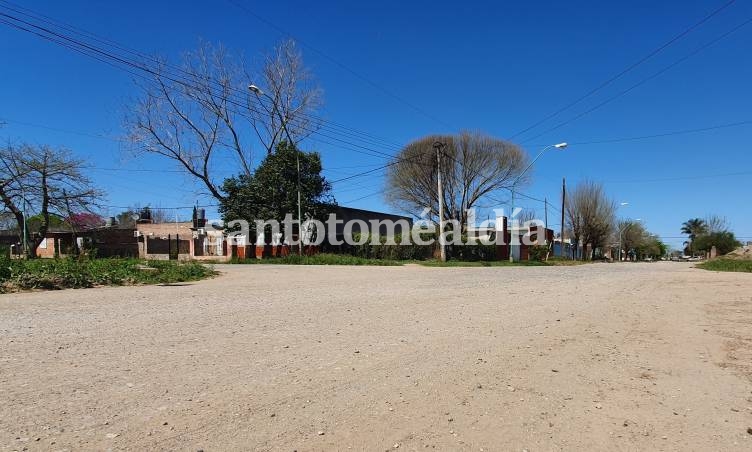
pixel 517 239
pixel 11 240
pixel 182 241
pixel 360 217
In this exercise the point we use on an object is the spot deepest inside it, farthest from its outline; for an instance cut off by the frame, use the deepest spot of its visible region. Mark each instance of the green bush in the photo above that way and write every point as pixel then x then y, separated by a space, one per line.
pixel 473 252
pixel 727 265
pixel 725 242
pixel 319 259
pixel 538 253
pixel 5 261
pixel 75 273
pixel 392 252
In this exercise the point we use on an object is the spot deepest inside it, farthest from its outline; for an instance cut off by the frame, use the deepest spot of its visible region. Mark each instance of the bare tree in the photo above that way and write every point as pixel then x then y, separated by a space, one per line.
pixel 159 216
pixel 716 223
pixel 8 222
pixel 526 215
pixel 195 113
pixel 474 166
pixel 287 98
pixel 45 180
pixel 590 215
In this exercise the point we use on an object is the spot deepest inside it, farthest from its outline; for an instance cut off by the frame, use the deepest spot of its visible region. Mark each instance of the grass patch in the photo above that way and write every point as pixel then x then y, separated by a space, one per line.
pixel 453 263
pixel 346 259
pixel 559 261
pixel 318 259
pixel 70 273
pixel 727 265
pixel 551 262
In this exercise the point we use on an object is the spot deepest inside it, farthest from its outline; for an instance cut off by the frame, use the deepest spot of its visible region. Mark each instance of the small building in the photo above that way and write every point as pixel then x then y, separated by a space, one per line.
pixel 182 241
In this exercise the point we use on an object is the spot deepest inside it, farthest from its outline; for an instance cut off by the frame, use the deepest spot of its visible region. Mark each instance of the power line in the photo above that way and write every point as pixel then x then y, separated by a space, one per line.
pixel 132 170
pixel 626 70
pixel 682 178
pixel 660 135
pixel 643 81
pixel 355 147
pixel 341 65
pixel 374 170
pixel 160 207
pixel 116 60
pixel 132 67
pixel 55 129
pixel 321 122
pixel 363 197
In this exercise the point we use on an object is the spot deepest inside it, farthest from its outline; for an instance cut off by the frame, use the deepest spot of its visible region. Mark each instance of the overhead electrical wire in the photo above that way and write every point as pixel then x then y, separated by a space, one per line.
pixel 243 94
pixel 661 135
pixel 682 178
pixel 642 81
pixel 626 70
pixel 116 60
pixel 341 65
pixel 130 66
pixel 355 147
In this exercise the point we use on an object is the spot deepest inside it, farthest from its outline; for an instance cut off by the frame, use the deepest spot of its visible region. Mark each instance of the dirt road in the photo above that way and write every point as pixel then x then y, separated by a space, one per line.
pixel 597 357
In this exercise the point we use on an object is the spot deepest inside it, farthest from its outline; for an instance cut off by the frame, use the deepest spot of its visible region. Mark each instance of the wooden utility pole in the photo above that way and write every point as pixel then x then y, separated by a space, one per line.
pixel 563 204
pixel 76 250
pixel 442 248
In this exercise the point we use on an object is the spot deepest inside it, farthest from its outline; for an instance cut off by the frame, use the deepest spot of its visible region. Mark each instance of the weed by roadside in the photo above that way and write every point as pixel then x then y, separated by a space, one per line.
pixel 319 259
pixel 71 273
pixel 452 263
pixel 344 259
pixel 727 265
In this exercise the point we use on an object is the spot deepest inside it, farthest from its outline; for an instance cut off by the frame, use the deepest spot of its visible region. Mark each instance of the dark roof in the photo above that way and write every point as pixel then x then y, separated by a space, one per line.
pixel 353 213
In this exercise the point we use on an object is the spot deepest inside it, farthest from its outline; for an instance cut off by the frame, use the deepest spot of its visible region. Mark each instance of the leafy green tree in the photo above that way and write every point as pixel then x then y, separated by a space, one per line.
pixel 271 191
pixel 693 228
pixel 127 219
pixel 34 224
pixel 631 234
pixel 724 242
pixel 651 246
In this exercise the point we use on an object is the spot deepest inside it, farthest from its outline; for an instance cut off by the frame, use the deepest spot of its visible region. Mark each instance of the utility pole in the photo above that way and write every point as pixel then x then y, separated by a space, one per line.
pixel 563 204
pixel 300 217
pixel 25 230
pixel 257 91
pixel 439 146
pixel 515 236
pixel 545 207
pixel 76 250
pixel 510 224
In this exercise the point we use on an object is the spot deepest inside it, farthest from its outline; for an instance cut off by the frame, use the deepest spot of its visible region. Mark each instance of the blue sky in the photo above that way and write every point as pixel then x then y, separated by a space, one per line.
pixel 497 67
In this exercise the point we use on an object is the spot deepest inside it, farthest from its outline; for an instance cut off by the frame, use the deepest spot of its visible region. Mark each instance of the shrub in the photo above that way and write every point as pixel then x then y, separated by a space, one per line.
pixel 538 253
pixel 320 259
pixel 727 265
pixel 725 242
pixel 392 252
pixel 81 272
pixel 5 261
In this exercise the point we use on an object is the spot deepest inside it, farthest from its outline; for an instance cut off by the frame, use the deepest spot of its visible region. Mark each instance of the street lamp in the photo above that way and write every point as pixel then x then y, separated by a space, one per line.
pixel 514 185
pixel 258 92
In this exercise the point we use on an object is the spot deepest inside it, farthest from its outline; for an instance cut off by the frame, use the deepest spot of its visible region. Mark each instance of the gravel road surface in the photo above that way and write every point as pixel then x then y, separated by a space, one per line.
pixel 596 357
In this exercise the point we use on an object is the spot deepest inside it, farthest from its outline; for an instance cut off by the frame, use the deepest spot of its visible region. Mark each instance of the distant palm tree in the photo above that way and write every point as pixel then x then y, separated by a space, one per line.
pixel 693 228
